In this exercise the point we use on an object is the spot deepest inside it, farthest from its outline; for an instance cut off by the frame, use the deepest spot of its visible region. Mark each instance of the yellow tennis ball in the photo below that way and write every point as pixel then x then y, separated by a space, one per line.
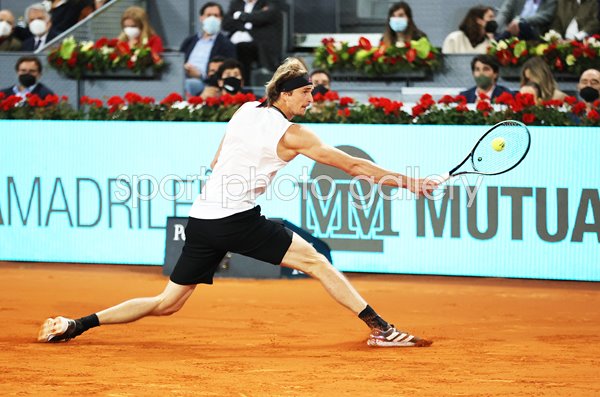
pixel 498 144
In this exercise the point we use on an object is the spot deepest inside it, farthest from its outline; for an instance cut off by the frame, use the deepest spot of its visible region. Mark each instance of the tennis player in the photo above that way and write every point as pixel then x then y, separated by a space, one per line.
pixel 258 142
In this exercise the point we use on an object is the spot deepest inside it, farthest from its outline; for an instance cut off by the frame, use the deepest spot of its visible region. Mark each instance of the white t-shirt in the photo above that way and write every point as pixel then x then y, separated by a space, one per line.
pixel 246 165
pixel 458 43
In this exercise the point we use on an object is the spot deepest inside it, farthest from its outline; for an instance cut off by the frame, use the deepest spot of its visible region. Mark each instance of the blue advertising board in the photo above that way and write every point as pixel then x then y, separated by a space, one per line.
pixel 100 192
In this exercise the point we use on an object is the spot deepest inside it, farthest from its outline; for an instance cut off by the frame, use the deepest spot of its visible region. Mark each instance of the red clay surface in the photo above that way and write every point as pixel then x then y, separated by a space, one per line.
pixel 493 337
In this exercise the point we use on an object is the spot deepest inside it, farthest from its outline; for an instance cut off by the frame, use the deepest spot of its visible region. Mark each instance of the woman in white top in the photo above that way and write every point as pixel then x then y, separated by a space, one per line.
pixel 476 31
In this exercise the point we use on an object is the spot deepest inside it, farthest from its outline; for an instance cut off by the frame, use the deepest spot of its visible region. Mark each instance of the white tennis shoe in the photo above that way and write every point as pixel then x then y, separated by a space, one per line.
pixel 57 329
pixel 395 338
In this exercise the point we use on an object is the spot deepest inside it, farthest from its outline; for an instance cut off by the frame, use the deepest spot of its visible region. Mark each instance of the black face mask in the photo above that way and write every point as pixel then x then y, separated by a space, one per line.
pixel 27 80
pixel 320 89
pixel 212 80
pixel 491 26
pixel 589 94
pixel 232 85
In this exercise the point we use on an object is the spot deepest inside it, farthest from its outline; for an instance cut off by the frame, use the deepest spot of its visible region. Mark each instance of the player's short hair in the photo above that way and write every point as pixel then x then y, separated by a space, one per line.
pixel 289 69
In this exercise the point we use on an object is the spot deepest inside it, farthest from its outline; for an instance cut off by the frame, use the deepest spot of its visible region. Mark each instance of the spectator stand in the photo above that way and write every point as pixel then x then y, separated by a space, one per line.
pixel 105 22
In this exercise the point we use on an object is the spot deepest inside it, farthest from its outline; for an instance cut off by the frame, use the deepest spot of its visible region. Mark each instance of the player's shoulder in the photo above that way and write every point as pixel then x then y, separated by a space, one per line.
pixel 298 135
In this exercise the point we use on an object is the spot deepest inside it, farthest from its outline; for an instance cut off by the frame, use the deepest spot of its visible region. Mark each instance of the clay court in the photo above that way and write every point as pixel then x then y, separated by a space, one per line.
pixel 493 337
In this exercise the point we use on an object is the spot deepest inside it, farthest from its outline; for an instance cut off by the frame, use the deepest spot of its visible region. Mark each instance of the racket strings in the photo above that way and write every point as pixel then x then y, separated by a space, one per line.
pixel 501 149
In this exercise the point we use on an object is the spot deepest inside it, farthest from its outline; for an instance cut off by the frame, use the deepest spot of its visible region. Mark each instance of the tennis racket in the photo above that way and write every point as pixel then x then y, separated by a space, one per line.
pixel 499 150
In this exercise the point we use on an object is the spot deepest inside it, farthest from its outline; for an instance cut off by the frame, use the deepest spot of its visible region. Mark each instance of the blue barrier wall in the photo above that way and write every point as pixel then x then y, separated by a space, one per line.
pixel 69 193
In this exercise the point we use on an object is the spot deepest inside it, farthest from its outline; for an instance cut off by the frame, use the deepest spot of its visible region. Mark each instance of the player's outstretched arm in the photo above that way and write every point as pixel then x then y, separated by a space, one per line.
pixel 301 140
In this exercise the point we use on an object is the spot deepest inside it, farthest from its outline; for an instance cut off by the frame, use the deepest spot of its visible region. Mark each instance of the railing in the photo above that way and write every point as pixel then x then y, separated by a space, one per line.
pixel 104 22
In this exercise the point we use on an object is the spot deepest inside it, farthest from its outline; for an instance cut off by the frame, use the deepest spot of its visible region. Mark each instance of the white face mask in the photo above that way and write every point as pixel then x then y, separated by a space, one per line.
pixel 211 25
pixel 132 32
pixel 5 29
pixel 38 27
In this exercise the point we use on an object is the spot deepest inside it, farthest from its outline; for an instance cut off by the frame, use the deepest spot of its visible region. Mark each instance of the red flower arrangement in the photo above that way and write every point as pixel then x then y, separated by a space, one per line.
pixel 570 56
pixel 76 59
pixel 368 59
pixel 330 108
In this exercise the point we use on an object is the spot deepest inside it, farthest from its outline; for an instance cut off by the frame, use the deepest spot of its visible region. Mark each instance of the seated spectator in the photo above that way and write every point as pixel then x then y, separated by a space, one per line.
pixel 485 71
pixel 576 19
pixel 137 30
pixel 205 45
pixel 532 89
pixel 321 80
pixel 231 80
pixel 29 73
pixel 40 26
pixel 211 87
pixel 589 87
pixel 536 70
pixel 256 28
pixel 66 13
pixel 8 42
pixel 474 34
pixel 401 26
pixel 526 19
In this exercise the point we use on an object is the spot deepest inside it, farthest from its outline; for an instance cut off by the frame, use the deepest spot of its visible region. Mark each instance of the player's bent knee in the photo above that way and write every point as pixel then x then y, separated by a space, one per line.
pixel 167 310
pixel 166 306
pixel 315 265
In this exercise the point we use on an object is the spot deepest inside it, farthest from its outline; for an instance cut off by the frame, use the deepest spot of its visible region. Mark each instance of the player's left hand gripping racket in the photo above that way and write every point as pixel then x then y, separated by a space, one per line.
pixel 499 150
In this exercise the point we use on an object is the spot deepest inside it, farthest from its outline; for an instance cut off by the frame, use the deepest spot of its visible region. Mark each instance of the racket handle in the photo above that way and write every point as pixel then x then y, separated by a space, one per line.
pixel 445 176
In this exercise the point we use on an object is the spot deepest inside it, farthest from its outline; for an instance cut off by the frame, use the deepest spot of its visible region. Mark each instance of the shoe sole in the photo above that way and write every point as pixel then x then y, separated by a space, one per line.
pixel 382 343
pixel 52 327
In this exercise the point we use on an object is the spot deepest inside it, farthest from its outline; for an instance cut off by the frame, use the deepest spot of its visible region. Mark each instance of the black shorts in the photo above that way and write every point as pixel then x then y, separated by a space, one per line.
pixel 208 240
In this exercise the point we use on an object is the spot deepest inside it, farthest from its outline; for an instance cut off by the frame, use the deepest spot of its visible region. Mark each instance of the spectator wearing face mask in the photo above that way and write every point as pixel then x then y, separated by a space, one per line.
pixel 29 72
pixel 231 80
pixel 137 31
pixel 321 81
pixel 485 71
pixel 475 32
pixel 204 46
pixel 401 26
pixel 40 26
pixel 211 87
pixel 589 87
pixel 8 42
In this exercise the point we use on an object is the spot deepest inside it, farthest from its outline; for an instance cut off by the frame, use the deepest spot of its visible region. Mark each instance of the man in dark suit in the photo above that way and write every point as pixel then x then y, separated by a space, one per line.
pixel 40 26
pixel 204 46
pixel 256 28
pixel 485 71
pixel 526 19
pixel 29 72
pixel 576 19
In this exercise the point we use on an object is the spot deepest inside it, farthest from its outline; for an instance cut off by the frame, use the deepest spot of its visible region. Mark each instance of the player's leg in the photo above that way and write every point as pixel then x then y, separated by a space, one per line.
pixel 169 301
pixel 304 257
pixel 196 265
pixel 166 303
